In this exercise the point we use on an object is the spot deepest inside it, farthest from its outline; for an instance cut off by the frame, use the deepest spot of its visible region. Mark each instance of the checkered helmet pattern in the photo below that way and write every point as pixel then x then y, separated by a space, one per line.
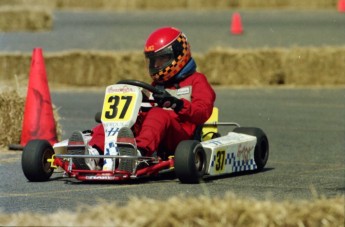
pixel 180 49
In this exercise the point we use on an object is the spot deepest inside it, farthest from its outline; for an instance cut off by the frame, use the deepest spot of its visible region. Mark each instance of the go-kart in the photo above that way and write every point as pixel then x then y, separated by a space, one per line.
pixel 207 154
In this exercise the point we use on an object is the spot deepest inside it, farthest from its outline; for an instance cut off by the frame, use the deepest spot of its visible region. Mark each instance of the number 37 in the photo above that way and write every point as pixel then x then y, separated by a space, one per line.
pixel 220 160
pixel 116 103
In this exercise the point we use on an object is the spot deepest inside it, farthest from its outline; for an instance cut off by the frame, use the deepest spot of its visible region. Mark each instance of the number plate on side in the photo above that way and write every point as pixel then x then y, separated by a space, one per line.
pixel 231 153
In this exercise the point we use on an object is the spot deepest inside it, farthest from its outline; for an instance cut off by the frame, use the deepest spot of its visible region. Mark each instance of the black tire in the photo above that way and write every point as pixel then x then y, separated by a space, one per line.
pixel 35 163
pixel 190 161
pixel 261 151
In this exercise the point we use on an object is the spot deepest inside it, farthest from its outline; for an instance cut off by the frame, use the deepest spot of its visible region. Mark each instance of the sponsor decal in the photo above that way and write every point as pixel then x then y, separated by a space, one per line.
pixel 123 89
pixel 100 177
pixel 111 131
pixel 183 91
pixel 244 152
pixel 113 124
pixel 149 48
pixel 213 142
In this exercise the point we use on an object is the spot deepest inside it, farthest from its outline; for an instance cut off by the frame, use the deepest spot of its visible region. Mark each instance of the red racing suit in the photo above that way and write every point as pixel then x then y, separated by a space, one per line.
pixel 161 128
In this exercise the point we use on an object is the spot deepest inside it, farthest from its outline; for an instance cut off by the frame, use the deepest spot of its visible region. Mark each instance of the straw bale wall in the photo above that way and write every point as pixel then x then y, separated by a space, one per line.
pixel 253 67
pixel 298 4
pixel 295 66
pixel 25 18
pixel 36 15
pixel 177 4
pixel 11 117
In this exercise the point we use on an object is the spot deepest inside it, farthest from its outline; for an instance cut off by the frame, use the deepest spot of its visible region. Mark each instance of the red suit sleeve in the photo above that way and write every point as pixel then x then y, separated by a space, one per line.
pixel 199 109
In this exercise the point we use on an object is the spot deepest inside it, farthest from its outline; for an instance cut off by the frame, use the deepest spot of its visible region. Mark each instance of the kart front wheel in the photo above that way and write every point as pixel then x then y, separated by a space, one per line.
pixel 190 161
pixel 261 151
pixel 35 163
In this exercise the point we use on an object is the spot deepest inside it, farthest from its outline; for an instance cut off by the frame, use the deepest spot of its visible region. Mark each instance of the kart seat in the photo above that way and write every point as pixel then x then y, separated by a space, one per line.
pixel 206 132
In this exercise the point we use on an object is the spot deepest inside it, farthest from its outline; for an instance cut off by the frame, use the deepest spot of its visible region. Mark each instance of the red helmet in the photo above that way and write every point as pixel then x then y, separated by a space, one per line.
pixel 167 52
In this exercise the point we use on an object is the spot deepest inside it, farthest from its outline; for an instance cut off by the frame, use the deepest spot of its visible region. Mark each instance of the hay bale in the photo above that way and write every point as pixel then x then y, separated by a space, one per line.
pixel 12 102
pixel 228 210
pixel 85 4
pixel 320 66
pixel 296 66
pixel 206 4
pixel 168 5
pixel 319 4
pixel 263 4
pixel 25 18
pixel 191 4
pixel 14 64
pixel 158 4
pixel 251 67
pixel 315 66
pixel 244 67
pixel 94 68
pixel 14 3
pixel 11 117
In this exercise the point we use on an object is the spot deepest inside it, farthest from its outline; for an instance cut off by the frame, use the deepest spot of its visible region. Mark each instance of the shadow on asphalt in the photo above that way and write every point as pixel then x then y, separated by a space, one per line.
pixel 230 175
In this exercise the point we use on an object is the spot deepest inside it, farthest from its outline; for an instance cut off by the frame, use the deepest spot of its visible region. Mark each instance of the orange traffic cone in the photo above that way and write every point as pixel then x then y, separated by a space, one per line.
pixel 341 6
pixel 236 24
pixel 38 122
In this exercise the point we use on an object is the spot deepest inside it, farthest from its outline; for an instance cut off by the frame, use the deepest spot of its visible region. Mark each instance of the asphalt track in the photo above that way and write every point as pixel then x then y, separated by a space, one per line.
pixel 204 29
pixel 305 126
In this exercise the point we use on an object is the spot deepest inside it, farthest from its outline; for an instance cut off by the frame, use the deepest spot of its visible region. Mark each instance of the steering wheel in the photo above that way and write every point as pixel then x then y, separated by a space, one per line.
pixel 141 84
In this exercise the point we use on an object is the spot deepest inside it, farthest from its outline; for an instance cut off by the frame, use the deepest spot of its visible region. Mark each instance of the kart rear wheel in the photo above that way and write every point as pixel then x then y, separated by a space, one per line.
pixel 261 151
pixel 35 163
pixel 190 161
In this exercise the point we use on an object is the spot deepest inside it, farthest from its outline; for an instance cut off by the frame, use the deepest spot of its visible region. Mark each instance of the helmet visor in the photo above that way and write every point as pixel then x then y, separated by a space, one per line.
pixel 159 60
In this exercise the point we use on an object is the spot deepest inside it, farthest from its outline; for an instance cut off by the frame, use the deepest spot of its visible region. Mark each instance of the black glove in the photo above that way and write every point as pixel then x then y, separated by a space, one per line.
pixel 168 101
